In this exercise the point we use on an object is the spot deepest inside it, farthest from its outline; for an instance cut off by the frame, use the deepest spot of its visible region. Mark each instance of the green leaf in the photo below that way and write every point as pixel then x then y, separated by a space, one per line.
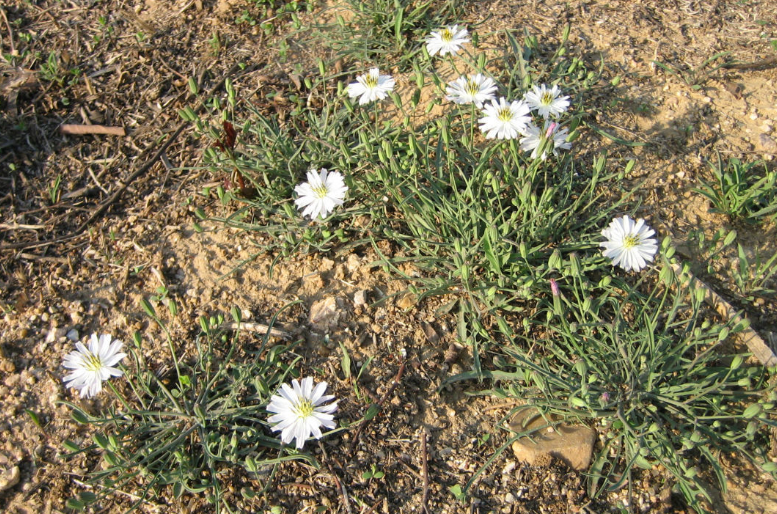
pixel 193 86
pixel 642 462
pixel 34 417
pixel 100 440
pixel 74 504
pixel 87 497
pixel 769 467
pixel 79 416
pixel 247 493
pixel 489 253
pixel 752 411
pixel 148 308
pixel 71 446
pixel 457 492
pixel 345 362
pixel 372 411
pixel 611 137
pixel 666 275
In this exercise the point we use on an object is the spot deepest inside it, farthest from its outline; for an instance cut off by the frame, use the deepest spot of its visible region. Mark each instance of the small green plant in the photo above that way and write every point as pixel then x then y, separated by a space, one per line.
pixel 739 192
pixel 245 18
pixel 106 29
pixel 181 429
pixel 215 42
pixel 50 71
pixel 54 190
pixel 457 492
pixel 389 29
pixel 755 278
pixel 373 472
pixel 650 370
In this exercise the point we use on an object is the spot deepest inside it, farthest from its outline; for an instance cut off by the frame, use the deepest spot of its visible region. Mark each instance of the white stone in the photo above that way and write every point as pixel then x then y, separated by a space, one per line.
pixel 360 298
pixel 324 313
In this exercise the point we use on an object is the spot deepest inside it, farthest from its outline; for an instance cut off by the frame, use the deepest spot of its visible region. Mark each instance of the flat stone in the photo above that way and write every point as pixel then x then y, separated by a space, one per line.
pixel 407 301
pixel 9 477
pixel 572 444
pixel 360 298
pixel 324 314
pixel 767 144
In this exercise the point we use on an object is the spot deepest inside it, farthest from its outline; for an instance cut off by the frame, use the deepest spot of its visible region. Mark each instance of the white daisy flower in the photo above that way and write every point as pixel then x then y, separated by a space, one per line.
pixel 321 193
pixel 446 41
pixel 475 89
pixel 629 244
pixel 91 366
pixel 503 120
pixel 547 102
pixel 299 412
pixel 549 138
pixel 371 86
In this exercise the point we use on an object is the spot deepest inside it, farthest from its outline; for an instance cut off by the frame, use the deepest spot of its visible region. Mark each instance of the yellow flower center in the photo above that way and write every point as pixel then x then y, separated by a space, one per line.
pixel 630 242
pixel 92 362
pixel 371 81
pixel 546 98
pixel 321 191
pixel 304 409
pixel 504 114
pixel 472 87
pixel 446 35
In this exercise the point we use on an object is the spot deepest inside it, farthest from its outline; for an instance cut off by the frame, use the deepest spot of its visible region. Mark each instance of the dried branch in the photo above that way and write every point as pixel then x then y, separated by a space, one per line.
pixel 10 32
pixel 256 327
pixel 755 344
pixel 78 130
pixel 425 471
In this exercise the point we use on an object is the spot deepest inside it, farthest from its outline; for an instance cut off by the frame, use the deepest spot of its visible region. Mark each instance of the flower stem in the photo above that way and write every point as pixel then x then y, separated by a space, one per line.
pixel 119 396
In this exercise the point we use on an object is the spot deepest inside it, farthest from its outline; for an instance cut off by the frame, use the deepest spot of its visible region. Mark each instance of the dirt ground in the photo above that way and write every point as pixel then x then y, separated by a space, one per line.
pixel 83 263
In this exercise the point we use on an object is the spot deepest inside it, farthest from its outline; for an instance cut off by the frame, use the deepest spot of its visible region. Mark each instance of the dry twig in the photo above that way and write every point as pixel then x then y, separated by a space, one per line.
pixel 425 471
pixel 256 327
pixel 78 130
pixel 10 32
pixel 19 226
pixel 755 344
